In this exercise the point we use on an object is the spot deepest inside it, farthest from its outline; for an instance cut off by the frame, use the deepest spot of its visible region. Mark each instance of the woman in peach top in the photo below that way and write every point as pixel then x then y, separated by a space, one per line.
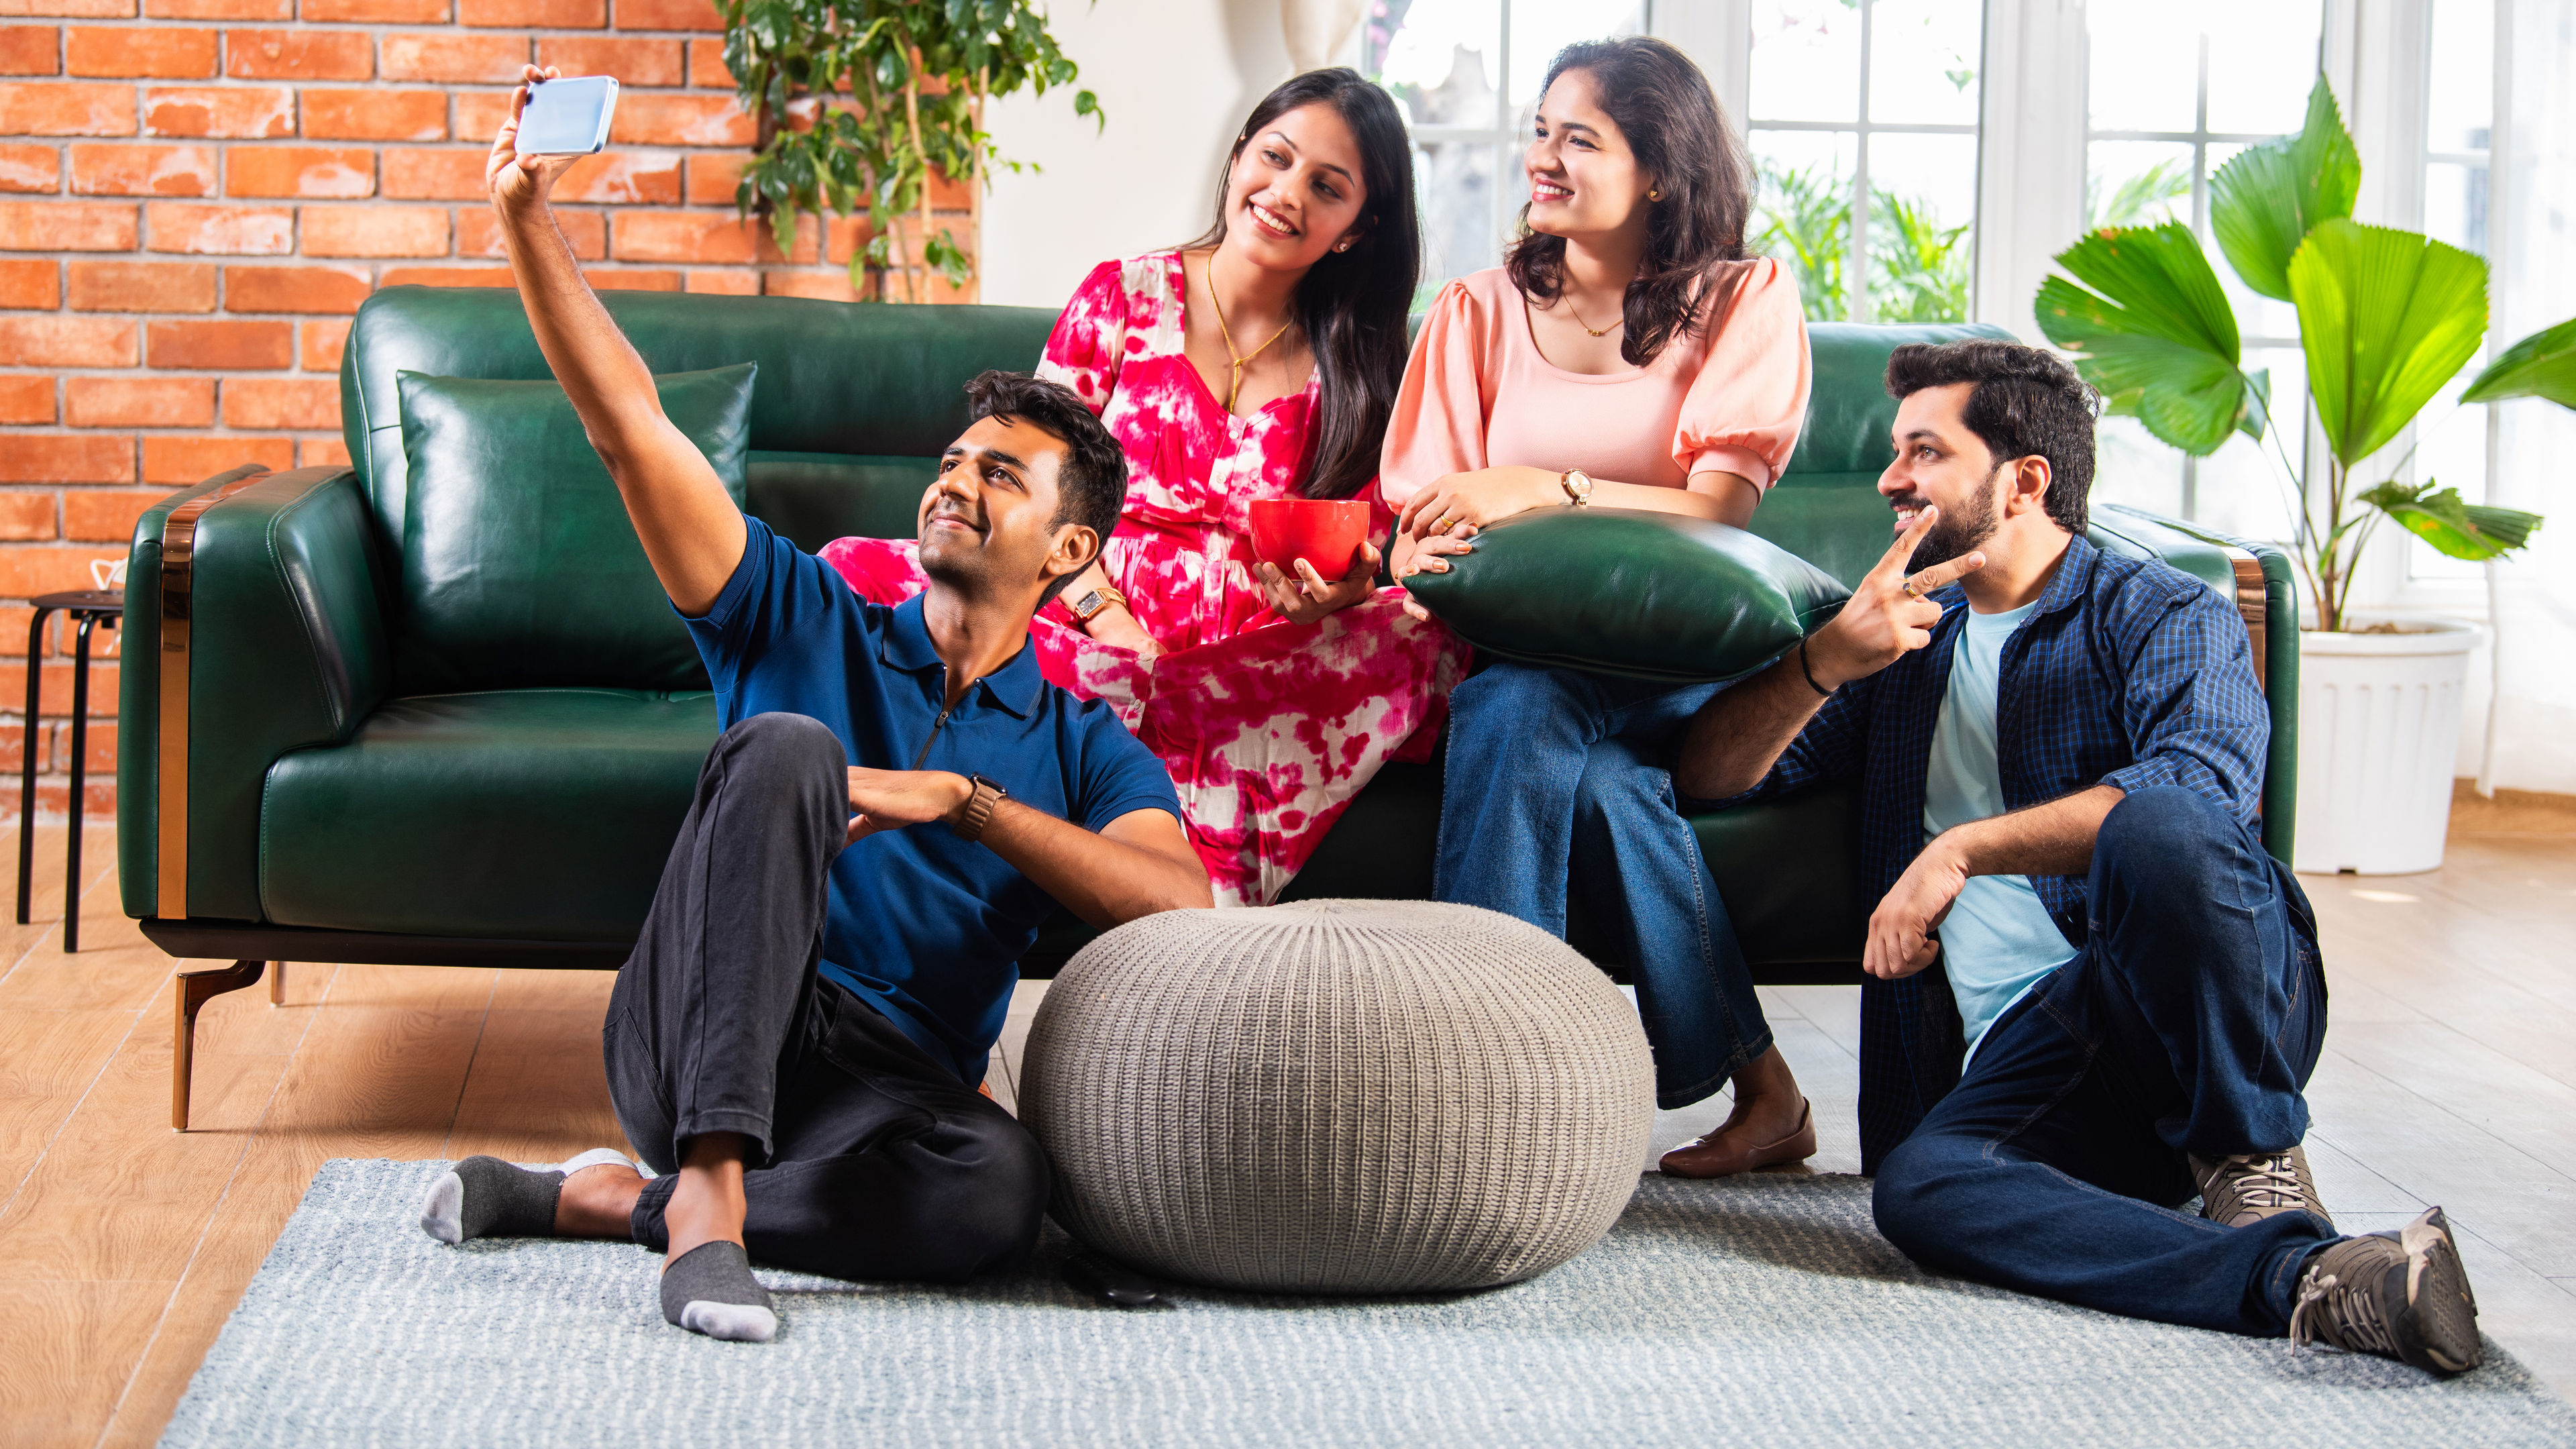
pixel 1627 355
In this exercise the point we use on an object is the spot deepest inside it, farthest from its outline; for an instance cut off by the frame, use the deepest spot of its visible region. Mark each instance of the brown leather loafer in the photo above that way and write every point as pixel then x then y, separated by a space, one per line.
pixel 1721 1154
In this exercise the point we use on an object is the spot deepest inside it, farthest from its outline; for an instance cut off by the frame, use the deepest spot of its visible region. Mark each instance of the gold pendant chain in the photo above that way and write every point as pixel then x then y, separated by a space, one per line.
pixel 1225 330
pixel 1569 311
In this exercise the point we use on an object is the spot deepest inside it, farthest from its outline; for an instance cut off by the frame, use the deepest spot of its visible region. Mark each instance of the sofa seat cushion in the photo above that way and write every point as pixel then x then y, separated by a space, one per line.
pixel 1787 872
pixel 531 814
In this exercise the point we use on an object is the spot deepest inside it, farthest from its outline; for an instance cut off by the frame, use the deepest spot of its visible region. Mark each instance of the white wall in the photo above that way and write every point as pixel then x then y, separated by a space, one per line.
pixel 1176 78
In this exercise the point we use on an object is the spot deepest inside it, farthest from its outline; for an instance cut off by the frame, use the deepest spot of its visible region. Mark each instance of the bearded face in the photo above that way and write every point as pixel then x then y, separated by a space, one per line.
pixel 1964 526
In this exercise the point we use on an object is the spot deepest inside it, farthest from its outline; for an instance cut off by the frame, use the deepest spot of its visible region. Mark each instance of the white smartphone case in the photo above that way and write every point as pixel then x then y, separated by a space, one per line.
pixel 568 116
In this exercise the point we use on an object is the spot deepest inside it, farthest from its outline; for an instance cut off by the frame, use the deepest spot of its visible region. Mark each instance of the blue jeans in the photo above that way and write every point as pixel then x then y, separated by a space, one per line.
pixel 1555 781
pixel 2188 1024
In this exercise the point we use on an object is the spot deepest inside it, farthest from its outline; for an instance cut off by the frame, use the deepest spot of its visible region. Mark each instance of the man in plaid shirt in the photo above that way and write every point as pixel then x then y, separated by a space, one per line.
pixel 2060 755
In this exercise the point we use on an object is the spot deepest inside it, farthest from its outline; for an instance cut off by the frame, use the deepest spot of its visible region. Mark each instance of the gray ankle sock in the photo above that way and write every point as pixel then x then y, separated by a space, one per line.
pixel 486 1197
pixel 709 1289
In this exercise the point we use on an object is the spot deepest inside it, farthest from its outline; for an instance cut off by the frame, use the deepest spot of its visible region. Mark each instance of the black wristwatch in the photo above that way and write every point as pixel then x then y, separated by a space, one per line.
pixel 979 808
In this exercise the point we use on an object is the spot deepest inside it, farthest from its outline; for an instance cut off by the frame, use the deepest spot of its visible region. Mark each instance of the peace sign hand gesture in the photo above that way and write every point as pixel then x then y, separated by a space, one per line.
pixel 1887 616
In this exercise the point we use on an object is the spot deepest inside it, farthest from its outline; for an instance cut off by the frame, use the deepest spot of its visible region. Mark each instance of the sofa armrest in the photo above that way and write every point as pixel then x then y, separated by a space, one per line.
pixel 255 625
pixel 2258 579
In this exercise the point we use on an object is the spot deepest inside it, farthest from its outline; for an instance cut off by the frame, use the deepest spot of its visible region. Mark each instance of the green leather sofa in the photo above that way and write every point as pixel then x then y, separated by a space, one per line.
pixel 281 797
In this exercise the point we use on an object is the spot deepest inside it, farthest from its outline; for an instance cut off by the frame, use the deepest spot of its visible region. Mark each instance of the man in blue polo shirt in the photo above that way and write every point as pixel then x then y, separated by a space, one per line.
pixel 896 802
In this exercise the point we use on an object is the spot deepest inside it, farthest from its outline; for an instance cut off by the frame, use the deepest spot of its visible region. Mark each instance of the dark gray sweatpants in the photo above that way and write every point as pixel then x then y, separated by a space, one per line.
pixel 874 1161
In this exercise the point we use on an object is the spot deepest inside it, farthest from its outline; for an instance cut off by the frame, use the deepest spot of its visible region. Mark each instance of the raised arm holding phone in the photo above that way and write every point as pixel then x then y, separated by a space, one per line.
pixel 796 1043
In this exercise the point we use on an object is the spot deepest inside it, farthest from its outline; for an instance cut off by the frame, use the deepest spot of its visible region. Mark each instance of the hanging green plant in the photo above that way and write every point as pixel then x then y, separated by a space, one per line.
pixel 859 102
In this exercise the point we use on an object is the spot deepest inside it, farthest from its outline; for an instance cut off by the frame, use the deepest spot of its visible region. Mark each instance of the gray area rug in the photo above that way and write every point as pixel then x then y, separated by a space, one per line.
pixel 1750 1311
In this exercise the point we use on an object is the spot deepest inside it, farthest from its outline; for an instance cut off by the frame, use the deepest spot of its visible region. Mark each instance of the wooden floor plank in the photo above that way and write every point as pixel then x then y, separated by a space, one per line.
pixel 256 1204
pixel 2516 1200
pixel 117 1149
pixel 48 1060
pixel 71 1347
pixel 385 1063
pixel 536 1056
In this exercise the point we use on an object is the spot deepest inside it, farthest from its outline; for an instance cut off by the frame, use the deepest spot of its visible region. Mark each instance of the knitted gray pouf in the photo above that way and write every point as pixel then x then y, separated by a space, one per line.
pixel 1338 1096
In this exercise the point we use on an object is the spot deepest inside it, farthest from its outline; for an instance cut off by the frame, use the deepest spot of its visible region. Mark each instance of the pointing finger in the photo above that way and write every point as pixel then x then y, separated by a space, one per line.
pixel 1946 573
pixel 1903 549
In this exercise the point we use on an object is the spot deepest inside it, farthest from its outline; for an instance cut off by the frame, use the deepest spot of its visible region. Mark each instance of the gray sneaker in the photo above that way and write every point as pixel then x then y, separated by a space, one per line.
pixel 2241 1190
pixel 2400 1295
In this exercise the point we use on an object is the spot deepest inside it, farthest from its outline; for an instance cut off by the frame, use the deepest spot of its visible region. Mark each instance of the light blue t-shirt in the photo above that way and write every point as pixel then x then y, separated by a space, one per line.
pixel 1998 940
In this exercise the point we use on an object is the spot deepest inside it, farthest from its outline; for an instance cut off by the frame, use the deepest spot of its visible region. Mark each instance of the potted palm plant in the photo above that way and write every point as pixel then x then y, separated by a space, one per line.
pixel 2386 319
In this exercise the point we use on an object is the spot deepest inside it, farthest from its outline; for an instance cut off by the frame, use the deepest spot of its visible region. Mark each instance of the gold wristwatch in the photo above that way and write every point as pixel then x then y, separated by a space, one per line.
pixel 979 808
pixel 1578 488
pixel 1091 605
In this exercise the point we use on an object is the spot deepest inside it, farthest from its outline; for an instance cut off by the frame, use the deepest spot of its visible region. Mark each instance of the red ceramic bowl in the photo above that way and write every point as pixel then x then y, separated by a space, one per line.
pixel 1325 532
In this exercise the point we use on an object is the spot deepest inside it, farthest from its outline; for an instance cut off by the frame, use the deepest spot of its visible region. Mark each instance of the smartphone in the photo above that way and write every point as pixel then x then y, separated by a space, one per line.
pixel 567 117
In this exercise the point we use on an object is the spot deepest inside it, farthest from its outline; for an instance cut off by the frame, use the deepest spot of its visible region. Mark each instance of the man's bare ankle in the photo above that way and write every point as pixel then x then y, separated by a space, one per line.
pixel 598 1201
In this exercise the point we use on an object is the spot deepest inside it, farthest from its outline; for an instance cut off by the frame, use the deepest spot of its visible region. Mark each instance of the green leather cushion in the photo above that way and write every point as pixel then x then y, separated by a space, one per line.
pixel 530 814
pixel 1629 592
pixel 809 499
pixel 519 565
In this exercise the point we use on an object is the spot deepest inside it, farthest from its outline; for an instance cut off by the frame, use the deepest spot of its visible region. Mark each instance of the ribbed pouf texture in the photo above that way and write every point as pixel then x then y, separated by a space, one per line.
pixel 1338 1096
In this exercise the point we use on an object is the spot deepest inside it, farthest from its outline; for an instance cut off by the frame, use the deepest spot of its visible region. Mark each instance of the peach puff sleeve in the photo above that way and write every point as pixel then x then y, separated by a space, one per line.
pixel 1438 425
pixel 1742 412
pixel 1090 337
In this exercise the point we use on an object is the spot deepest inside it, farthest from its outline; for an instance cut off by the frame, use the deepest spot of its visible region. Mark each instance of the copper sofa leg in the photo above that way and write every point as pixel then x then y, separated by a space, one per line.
pixel 190 992
pixel 277 983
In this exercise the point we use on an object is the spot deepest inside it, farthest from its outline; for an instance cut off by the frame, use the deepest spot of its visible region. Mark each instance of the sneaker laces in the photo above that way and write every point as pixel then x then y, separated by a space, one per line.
pixel 2267 1181
pixel 2345 1315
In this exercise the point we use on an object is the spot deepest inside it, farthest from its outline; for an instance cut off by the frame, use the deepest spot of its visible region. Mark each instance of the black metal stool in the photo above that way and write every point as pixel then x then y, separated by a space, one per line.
pixel 89 606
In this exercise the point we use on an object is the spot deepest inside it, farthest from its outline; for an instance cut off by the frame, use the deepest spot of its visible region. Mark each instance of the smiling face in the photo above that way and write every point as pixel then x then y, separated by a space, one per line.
pixel 1583 176
pixel 1942 463
pixel 989 522
pixel 1295 190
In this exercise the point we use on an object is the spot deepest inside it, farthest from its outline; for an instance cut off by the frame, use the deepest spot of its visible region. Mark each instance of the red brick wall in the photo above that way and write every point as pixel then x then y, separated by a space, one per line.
pixel 196 195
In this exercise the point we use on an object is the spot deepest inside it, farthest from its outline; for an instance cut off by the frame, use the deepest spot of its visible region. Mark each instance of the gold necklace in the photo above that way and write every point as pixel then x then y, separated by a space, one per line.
pixel 1225 330
pixel 1569 311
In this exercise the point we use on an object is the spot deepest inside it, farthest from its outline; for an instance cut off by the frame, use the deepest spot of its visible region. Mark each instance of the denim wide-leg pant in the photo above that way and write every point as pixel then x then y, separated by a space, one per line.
pixel 1557 782
pixel 2188 1024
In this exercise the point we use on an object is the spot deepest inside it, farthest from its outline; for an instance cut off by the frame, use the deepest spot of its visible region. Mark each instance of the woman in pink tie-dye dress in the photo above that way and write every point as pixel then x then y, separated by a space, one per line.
pixel 1271 702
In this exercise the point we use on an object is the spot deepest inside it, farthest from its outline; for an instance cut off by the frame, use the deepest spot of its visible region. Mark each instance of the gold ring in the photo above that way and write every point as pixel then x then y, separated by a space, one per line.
pixel 1911 591
pixel 1445 524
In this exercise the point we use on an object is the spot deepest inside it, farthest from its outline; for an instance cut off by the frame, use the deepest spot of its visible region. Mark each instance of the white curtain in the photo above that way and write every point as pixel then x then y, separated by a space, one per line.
pixel 1317 30
pixel 2535 592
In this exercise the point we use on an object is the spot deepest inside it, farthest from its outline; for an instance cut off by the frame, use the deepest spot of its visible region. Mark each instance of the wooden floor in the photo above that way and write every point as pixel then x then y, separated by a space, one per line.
pixel 2449 1076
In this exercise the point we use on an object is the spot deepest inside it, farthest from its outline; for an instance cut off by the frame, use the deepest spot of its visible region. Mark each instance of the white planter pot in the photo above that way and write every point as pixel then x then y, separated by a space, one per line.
pixel 2379 735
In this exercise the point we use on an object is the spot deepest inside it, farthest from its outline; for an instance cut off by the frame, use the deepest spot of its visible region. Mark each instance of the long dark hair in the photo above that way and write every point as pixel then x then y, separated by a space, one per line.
pixel 1664 107
pixel 1352 304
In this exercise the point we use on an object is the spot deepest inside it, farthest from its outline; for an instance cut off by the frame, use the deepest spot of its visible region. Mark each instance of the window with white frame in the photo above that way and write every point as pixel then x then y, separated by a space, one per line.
pixel 1466 74
pixel 2175 89
pixel 2456 446
pixel 1863 125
